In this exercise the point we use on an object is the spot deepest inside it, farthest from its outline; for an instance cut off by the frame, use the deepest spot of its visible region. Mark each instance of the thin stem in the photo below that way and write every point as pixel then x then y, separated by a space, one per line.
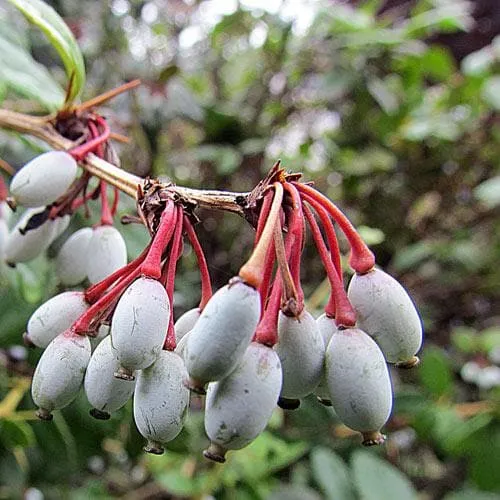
pixel 206 284
pixel 282 258
pixel 106 215
pixel 344 312
pixel 252 271
pixel 267 276
pixel 6 167
pixel 82 324
pixel 106 96
pixel 175 252
pixel 151 267
pixel 116 199
pixel 361 259
pixel 81 151
pixel 93 293
pixel 263 215
pixel 296 228
pixel 267 329
pixel 331 237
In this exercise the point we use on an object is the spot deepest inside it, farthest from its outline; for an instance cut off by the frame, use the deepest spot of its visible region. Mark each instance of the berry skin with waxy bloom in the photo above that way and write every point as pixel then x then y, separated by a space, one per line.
pixel 252 345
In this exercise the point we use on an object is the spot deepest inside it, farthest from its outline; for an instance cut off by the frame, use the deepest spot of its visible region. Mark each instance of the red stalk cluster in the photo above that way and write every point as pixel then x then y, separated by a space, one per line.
pixel 158 261
pixel 286 206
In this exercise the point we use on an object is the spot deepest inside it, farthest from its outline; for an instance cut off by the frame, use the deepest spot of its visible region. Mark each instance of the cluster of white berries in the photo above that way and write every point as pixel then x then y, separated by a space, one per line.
pixel 250 346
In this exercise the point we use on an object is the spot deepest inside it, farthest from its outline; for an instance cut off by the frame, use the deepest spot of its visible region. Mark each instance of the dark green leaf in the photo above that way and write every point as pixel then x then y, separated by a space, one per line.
pixel 331 474
pixel 48 20
pixel 23 75
pixel 16 433
pixel 435 372
pixel 376 479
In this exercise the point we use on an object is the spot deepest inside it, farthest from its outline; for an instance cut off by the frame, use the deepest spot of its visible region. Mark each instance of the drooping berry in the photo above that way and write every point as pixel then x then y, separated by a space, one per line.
pixel 161 401
pixel 71 262
pixel 327 327
pixel 105 393
pixel 61 223
pixel 239 406
pixel 186 322
pixel 59 373
pixel 359 383
pixel 54 317
pixel 44 179
pixel 139 325
pixel 107 253
pixel 24 247
pixel 221 335
pixel 301 350
pixel 386 312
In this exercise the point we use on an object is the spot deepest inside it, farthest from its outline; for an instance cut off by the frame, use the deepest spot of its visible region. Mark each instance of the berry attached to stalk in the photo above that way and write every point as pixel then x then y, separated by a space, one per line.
pixel 44 179
pixel 54 317
pixel 139 325
pixel 239 406
pixel 221 335
pixel 104 392
pixel 59 373
pixel 386 312
pixel 359 383
pixel 161 401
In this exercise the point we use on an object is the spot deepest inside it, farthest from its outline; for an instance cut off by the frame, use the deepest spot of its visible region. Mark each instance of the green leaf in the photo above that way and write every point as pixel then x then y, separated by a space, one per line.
pixel 435 372
pixel 16 433
pixel 376 479
pixel 23 75
pixel 48 20
pixel 331 474
pixel 484 463
pixel 489 338
pixel 465 339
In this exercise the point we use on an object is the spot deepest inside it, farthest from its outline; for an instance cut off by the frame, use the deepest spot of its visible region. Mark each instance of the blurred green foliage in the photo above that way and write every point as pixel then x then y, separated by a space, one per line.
pixel 389 125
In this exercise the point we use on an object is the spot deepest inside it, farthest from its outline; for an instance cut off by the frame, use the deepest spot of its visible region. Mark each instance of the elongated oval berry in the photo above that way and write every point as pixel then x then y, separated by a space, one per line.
pixel 23 247
pixel 139 324
pixel 161 400
pixel 44 179
pixel 107 253
pixel 222 333
pixel 59 373
pixel 359 383
pixel 180 348
pixel 71 262
pixel 301 351
pixel 105 393
pixel 61 223
pixel 54 317
pixel 186 322
pixel 238 407
pixel 327 327
pixel 386 312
